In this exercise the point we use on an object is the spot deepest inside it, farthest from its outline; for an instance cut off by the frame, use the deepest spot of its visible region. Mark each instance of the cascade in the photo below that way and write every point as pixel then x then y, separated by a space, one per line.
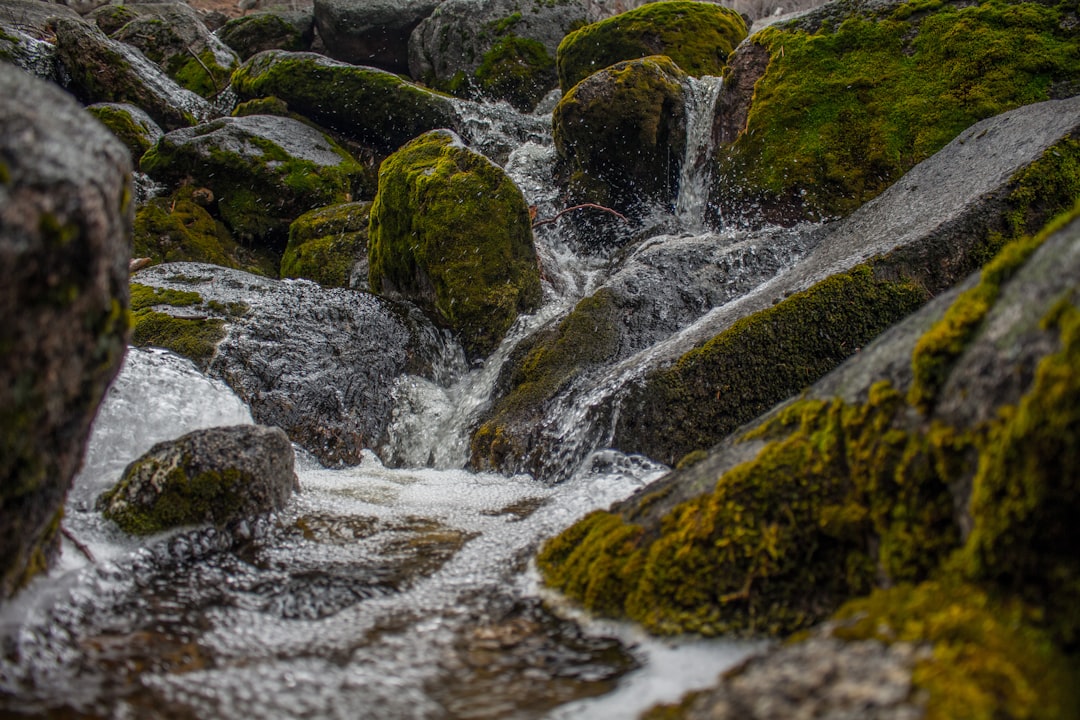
pixel 694 177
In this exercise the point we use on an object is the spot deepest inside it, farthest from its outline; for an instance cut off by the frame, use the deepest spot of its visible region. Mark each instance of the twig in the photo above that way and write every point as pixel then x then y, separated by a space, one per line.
pixel 583 206
pixel 217 90
pixel 78 545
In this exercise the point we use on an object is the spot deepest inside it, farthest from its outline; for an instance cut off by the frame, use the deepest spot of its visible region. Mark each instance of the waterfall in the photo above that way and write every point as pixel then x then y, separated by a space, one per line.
pixel 693 195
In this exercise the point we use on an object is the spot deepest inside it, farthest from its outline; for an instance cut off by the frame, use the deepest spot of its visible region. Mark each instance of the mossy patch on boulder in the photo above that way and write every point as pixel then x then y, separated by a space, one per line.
pixel 330 246
pixel 252 34
pixel 451 232
pixel 178 321
pixel 370 105
pixel 517 70
pixel 697 36
pixel 131 125
pixel 843 109
pixel 621 135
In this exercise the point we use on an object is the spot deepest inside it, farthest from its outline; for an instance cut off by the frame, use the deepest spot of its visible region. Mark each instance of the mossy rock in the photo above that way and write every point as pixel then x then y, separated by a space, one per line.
pixel 264 171
pixel 252 34
pixel 451 232
pixel 517 70
pixel 131 125
pixel 697 36
pixel 844 109
pixel 330 246
pixel 179 229
pixel 621 135
pixel 178 321
pixel 110 18
pixel 370 105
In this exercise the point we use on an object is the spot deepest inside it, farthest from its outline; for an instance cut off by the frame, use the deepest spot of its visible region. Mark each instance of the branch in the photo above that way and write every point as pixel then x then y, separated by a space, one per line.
pixel 583 206
pixel 78 545
pixel 217 90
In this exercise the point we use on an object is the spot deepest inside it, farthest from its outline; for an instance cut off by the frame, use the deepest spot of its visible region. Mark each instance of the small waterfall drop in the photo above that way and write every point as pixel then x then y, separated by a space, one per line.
pixel 693 196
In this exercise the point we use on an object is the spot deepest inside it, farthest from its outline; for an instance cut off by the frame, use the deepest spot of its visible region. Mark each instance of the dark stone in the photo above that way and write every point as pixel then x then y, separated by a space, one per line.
pixel 252 34
pixel 371 32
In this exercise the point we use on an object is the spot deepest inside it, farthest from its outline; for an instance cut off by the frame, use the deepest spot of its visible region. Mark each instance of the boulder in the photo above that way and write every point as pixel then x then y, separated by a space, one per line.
pixel 371 32
pixel 105 70
pixel 65 228
pixel 373 106
pixel 319 363
pixel 212 476
pixel 835 106
pixel 264 171
pixel 172 35
pixel 451 232
pixel 621 136
pixel 252 34
pixel 132 126
pixel 493 49
pixel 697 36
pixel 25 31
pixel 330 246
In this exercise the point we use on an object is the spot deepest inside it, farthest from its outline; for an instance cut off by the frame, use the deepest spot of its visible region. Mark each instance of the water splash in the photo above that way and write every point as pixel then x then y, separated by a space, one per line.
pixel 702 94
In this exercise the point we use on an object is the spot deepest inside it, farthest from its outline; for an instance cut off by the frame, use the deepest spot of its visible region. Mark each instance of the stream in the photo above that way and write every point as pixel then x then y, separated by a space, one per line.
pixel 379 592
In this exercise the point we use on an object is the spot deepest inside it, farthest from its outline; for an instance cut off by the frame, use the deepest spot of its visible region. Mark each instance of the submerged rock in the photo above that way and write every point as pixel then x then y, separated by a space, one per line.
pixel 207 476
pixel 371 32
pixel 264 171
pixel 319 363
pixel 451 232
pixel 330 246
pixel 65 226
pixel 252 34
pixel 697 36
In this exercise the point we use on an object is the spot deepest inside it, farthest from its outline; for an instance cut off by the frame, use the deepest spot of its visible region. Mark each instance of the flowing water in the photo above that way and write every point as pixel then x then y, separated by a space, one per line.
pixel 701 100
pixel 376 593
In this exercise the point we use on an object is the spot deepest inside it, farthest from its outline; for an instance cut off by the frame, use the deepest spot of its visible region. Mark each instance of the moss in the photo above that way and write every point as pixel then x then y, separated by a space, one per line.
pixel 698 37
pixel 201 74
pixel 144 296
pixel 195 338
pixel 136 138
pixel 264 106
pixel 252 34
pixel 586 338
pixel 324 244
pixel 518 70
pixel 987 658
pixel 450 231
pixel 621 135
pixel 760 360
pixel 843 498
pixel 111 18
pixel 5 174
pixel 843 112
pixel 369 105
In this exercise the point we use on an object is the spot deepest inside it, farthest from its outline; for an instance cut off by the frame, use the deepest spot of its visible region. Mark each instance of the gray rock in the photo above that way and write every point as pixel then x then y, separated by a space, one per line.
pixel 264 171
pixel 207 476
pixel 104 70
pixel 24 33
pixel 252 34
pixel 319 363
pixel 31 17
pixel 371 32
pixel 131 125
pixel 65 229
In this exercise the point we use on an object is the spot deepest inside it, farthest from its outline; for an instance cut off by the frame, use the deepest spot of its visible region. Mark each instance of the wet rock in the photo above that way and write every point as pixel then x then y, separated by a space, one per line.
pixel 131 125
pixel 207 476
pixel 451 232
pixel 252 34
pixel 330 246
pixel 697 36
pixel 32 17
pixel 369 105
pixel 104 70
pixel 371 32
pixel 621 136
pixel 173 36
pixel 25 32
pixel 264 171
pixel 65 225
pixel 495 49
pixel 320 363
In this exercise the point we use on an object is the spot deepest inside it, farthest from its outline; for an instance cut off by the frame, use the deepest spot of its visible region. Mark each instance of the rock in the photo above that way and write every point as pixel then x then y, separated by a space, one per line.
pixel 494 49
pixel 252 34
pixel 131 125
pixel 451 232
pixel 697 36
pixel 25 31
pixel 621 136
pixel 319 363
pixel 371 32
pixel 32 18
pixel 836 114
pixel 372 106
pixel 330 246
pixel 104 70
pixel 110 18
pixel 213 476
pixel 172 35
pixel 264 171
pixel 65 224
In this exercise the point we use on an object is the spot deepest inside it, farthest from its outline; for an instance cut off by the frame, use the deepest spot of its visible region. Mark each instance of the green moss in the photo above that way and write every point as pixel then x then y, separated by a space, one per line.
pixel 264 106
pixel 252 34
pixel 136 138
pixel 698 37
pixel 193 337
pixel 201 74
pixel 987 659
pixel 518 70
pixel 369 105
pixel 111 18
pixel 842 499
pixel 324 244
pixel 144 296
pixel 760 360
pixel 450 231
pixel 842 113
pixel 5 174
pixel 586 338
